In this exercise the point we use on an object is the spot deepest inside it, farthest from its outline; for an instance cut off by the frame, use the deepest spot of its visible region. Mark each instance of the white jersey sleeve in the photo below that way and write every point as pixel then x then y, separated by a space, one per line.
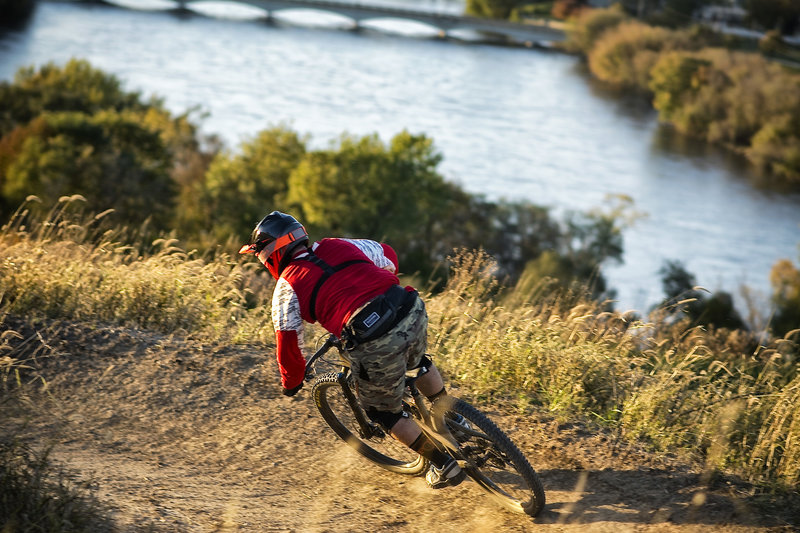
pixel 374 251
pixel 286 310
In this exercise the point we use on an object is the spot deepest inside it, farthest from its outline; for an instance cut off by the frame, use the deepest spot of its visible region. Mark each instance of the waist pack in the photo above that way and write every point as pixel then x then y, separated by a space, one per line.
pixel 379 316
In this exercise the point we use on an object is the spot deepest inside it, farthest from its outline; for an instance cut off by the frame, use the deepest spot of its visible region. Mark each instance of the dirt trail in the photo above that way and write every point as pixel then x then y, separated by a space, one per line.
pixel 176 435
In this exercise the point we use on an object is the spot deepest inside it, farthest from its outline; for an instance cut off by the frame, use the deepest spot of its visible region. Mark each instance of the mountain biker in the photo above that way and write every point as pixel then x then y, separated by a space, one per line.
pixel 351 288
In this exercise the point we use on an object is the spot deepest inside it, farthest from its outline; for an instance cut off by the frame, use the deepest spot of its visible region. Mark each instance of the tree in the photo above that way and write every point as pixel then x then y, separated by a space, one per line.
pixel 519 232
pixel 109 158
pixel 625 56
pixel 76 86
pixel 685 300
pixel 493 9
pixel 361 188
pixel 674 79
pixel 785 280
pixel 240 189
pixel 584 30
pixel 85 122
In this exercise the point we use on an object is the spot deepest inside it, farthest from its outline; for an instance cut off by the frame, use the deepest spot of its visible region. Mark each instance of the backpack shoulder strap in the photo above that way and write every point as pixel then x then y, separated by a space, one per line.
pixel 327 272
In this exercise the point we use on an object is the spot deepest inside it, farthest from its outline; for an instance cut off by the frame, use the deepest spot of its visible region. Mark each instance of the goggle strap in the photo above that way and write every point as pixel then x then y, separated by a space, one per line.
pixel 283 240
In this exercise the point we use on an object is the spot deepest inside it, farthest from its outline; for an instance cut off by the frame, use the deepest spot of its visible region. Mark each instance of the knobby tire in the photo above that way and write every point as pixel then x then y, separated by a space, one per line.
pixel 382 450
pixel 528 496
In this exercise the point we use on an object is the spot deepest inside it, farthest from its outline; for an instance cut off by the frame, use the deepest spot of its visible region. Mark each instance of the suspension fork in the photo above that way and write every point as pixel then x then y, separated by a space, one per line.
pixel 365 427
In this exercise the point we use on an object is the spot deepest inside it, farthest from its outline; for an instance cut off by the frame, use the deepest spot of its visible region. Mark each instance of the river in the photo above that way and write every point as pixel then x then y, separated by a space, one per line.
pixel 511 122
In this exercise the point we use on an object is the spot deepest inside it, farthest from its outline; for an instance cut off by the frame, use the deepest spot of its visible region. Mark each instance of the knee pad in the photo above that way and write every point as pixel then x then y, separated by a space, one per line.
pixel 386 419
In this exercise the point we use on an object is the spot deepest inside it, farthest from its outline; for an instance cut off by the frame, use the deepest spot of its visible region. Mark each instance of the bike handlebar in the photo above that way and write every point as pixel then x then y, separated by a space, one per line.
pixel 330 342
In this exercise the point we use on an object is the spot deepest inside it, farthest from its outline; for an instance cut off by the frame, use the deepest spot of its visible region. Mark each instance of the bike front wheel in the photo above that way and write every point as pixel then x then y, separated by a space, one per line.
pixel 378 446
pixel 494 462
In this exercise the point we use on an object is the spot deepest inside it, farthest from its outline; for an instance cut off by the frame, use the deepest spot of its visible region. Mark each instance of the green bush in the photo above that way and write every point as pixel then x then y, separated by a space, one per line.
pixel 583 31
pixel 241 188
pixel 684 88
pixel 625 56
pixel 785 279
pixel 108 157
pixel 74 130
pixel 737 99
pixel 776 147
pixel 76 86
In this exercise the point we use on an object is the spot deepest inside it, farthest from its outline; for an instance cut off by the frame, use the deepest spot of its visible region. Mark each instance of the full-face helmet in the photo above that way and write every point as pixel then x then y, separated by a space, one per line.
pixel 274 239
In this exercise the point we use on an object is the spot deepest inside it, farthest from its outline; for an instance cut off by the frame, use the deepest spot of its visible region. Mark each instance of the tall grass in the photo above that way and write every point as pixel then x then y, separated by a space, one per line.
pixel 709 393
pixel 551 349
pixel 69 266
pixel 718 394
pixel 36 496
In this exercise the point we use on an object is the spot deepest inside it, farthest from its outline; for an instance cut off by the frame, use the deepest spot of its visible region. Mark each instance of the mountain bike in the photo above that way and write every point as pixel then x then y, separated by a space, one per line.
pixel 482 450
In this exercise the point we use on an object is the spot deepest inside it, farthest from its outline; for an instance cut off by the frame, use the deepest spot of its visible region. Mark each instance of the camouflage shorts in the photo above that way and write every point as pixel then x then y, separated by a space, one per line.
pixel 379 366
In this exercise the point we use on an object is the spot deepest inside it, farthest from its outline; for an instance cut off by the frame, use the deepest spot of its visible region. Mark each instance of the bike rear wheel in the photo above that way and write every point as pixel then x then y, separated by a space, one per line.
pixel 495 463
pixel 380 448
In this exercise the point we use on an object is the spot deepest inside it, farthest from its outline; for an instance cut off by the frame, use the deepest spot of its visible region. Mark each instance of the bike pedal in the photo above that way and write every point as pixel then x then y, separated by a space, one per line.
pixel 376 431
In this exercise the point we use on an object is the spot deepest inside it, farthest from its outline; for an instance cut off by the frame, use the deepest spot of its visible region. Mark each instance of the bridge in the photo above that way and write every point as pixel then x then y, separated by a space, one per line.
pixel 528 33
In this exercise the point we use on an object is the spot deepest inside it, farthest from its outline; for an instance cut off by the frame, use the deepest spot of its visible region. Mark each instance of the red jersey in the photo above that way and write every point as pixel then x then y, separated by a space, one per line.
pixel 341 294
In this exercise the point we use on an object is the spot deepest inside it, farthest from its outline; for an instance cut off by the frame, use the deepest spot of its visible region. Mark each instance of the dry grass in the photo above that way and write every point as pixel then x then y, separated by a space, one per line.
pixel 36 496
pixel 707 393
pixel 69 266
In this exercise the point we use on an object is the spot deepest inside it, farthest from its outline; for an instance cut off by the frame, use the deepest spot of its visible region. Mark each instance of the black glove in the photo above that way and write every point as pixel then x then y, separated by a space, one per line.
pixel 292 392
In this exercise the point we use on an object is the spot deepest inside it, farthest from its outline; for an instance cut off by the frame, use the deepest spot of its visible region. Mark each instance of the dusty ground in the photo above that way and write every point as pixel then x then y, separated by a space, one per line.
pixel 175 435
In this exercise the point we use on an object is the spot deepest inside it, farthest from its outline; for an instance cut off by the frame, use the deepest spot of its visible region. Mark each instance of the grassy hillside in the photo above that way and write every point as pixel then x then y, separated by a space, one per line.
pixel 731 404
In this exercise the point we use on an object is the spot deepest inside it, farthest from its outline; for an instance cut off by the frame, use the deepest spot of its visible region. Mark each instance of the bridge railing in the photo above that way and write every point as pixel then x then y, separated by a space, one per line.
pixel 537 31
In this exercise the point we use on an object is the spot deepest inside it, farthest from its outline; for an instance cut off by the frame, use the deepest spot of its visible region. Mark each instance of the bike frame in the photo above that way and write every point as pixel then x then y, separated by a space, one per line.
pixel 492 445
pixel 430 422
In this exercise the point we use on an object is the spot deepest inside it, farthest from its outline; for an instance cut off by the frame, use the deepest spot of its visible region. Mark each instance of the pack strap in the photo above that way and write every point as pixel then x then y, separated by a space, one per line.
pixel 327 272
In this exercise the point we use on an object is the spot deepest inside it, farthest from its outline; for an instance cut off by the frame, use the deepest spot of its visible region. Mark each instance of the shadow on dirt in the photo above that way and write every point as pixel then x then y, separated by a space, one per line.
pixel 651 496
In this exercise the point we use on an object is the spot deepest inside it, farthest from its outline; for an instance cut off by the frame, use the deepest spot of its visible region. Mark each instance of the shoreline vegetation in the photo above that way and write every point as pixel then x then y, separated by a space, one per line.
pixel 737 92
pixel 700 86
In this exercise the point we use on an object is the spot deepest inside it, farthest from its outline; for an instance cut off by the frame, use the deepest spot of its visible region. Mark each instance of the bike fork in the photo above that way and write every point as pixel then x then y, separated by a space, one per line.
pixel 365 428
